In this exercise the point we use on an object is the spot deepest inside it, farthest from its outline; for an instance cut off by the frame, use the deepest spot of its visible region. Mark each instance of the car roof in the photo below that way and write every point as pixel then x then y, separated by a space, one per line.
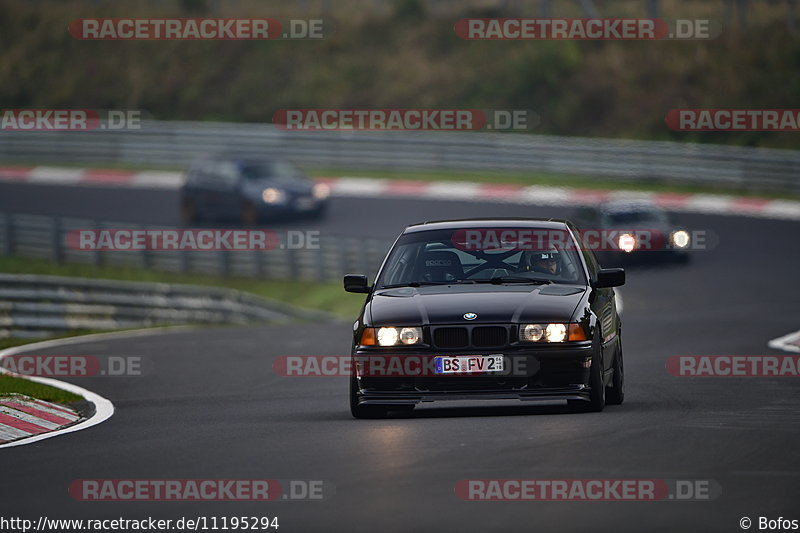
pixel 238 158
pixel 467 223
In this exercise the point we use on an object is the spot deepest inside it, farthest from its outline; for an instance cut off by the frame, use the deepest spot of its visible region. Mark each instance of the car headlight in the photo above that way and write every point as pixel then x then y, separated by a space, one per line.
pixel 320 191
pixel 626 242
pixel 531 332
pixel 680 238
pixel 390 336
pixel 271 195
pixel 555 332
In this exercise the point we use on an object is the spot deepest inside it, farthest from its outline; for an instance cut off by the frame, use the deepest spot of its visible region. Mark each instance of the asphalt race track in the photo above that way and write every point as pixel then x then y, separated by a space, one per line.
pixel 212 407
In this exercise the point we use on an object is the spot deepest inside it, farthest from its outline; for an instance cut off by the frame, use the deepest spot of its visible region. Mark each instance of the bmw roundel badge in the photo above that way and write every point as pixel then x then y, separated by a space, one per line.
pixel 470 316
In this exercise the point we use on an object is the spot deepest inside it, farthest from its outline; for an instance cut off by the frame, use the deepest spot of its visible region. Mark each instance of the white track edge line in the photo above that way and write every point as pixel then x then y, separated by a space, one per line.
pixel 783 343
pixel 104 409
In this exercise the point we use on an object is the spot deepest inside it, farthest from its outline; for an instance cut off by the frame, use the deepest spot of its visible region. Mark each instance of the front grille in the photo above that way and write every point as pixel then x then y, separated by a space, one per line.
pixel 487 336
pixel 451 337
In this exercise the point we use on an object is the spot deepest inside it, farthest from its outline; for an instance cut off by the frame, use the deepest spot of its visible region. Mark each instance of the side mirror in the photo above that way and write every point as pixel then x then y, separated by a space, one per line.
pixel 609 277
pixel 356 283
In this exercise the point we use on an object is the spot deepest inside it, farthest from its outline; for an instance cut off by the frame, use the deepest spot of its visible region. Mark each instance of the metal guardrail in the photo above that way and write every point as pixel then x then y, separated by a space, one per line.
pixel 34 306
pixel 179 143
pixel 45 237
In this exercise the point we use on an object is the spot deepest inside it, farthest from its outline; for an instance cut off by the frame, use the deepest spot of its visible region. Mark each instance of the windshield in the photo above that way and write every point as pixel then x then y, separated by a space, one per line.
pixel 270 170
pixel 636 217
pixel 440 256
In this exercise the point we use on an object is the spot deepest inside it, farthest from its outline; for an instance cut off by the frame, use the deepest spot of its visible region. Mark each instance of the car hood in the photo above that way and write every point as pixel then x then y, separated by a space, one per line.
pixel 447 304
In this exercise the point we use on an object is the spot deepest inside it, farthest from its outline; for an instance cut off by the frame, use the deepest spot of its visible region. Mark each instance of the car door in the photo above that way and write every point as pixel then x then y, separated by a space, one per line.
pixel 220 188
pixel 229 197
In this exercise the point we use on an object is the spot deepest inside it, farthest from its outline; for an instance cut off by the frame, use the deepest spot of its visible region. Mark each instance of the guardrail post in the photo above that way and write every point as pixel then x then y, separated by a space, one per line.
pixel 363 254
pixel 56 240
pixel 320 260
pixel 341 255
pixel 8 234
pixel 183 261
pixel 291 260
pixel 97 254
pixel 259 262
pixel 225 263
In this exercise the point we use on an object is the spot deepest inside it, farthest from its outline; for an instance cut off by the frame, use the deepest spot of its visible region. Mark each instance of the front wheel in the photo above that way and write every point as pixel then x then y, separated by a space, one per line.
pixel 189 214
pixel 597 391
pixel 249 214
pixel 615 394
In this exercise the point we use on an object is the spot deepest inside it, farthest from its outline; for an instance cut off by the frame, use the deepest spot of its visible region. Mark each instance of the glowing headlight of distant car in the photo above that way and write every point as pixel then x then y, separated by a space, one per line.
pixel 271 195
pixel 320 191
pixel 626 242
pixel 680 239
pixel 389 336
pixel 555 332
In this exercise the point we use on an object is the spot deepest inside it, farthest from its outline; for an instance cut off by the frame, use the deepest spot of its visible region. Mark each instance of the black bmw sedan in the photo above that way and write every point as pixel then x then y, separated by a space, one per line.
pixel 249 189
pixel 487 309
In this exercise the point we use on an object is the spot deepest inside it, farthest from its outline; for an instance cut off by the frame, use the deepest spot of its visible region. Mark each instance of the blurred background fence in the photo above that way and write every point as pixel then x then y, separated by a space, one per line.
pixel 45 237
pixel 176 144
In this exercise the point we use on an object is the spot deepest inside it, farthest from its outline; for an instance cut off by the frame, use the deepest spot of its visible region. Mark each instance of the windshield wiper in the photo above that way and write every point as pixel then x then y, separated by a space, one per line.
pixel 498 280
pixel 425 283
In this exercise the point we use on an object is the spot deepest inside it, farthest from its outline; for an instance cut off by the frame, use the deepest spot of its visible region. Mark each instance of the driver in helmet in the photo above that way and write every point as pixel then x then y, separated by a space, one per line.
pixel 544 261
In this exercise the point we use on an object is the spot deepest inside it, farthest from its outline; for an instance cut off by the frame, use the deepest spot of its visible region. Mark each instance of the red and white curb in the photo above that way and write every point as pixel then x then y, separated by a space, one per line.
pixel 717 204
pixel 21 416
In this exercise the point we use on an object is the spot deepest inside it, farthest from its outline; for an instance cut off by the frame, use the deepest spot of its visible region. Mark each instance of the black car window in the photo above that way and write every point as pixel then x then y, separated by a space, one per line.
pixel 227 172
pixel 635 217
pixel 270 170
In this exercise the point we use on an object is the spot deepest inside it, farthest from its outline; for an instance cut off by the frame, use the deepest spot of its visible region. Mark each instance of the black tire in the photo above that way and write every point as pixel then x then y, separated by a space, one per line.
pixel 597 391
pixel 615 394
pixel 364 411
pixel 189 214
pixel 319 213
pixel 249 215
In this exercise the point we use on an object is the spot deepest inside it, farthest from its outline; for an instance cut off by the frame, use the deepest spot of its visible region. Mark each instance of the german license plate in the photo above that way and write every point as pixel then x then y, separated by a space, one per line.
pixel 304 204
pixel 468 364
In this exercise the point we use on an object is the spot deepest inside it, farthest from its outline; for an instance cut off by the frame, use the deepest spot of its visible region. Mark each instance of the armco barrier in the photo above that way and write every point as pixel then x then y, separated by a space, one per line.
pixel 34 306
pixel 179 143
pixel 40 236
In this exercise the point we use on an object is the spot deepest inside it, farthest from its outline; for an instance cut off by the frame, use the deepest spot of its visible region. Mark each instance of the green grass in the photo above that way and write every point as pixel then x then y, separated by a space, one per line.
pixel 8 343
pixel 329 297
pixel 14 385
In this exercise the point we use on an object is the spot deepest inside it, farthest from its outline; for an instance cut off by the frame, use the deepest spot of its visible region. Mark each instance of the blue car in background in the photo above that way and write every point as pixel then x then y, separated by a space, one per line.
pixel 250 190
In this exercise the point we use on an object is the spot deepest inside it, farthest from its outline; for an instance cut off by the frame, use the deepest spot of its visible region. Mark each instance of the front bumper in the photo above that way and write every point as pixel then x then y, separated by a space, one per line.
pixel 296 205
pixel 551 373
